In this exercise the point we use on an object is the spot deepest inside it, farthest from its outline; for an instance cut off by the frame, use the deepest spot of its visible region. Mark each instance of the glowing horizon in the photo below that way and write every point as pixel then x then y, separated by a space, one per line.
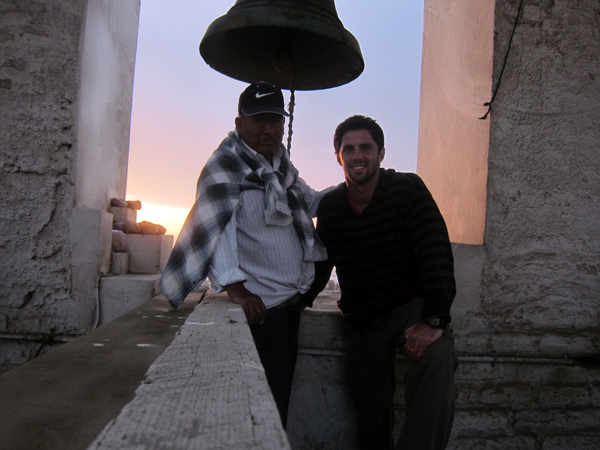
pixel 170 217
pixel 182 109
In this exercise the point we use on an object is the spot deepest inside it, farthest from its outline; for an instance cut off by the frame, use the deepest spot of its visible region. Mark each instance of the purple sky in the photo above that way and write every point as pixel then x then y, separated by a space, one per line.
pixel 182 108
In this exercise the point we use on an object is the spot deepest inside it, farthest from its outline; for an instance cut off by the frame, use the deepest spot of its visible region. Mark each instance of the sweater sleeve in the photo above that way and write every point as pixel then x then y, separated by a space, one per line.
pixel 322 269
pixel 431 246
pixel 322 273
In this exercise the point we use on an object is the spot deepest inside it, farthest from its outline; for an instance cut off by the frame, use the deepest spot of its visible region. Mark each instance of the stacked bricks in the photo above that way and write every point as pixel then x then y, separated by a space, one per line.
pixel 521 403
pixel 137 247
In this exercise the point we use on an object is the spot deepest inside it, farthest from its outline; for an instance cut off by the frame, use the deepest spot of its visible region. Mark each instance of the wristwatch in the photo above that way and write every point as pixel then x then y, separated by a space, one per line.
pixel 435 322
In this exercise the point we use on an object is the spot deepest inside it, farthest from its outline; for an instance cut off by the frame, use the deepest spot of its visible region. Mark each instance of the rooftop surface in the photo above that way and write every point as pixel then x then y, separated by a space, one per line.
pixel 64 398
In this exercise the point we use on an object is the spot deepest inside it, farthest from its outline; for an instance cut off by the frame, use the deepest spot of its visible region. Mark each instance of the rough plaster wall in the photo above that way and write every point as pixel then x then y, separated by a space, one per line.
pixel 516 403
pixel 108 60
pixel 526 405
pixel 542 276
pixel 39 42
pixel 65 105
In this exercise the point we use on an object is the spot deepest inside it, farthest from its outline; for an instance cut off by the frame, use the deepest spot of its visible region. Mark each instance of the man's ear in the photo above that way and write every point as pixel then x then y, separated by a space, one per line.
pixel 381 155
pixel 237 122
pixel 337 156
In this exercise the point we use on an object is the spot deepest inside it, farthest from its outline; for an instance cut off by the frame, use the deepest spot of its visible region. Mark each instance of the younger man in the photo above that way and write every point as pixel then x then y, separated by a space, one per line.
pixel 389 244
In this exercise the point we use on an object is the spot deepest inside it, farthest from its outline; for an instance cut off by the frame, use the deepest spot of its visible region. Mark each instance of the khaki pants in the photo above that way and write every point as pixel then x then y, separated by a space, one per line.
pixel 429 384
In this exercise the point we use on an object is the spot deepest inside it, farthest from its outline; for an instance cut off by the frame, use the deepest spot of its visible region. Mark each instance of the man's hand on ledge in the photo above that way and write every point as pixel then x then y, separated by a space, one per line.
pixel 419 337
pixel 253 306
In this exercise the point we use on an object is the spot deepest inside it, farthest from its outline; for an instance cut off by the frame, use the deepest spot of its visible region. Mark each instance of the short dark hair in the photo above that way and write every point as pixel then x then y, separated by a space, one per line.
pixel 358 122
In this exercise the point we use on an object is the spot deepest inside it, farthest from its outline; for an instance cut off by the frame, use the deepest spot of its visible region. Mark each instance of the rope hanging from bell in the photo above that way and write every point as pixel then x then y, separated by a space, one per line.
pixel 291 106
pixel 293 44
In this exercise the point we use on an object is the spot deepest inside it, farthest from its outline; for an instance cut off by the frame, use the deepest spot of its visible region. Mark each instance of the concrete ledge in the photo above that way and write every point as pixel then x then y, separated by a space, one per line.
pixel 148 253
pixel 322 325
pixel 90 233
pixel 206 391
pixel 63 399
pixel 122 293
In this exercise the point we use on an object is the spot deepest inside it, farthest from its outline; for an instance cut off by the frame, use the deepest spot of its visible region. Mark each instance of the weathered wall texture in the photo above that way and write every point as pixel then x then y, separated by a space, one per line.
pixel 528 298
pixel 541 279
pixel 42 113
pixel 455 83
pixel 525 404
pixel 39 72
pixel 516 403
pixel 539 267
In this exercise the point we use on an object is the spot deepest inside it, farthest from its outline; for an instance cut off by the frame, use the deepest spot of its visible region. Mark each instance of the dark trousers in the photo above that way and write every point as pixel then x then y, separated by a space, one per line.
pixel 277 344
pixel 429 384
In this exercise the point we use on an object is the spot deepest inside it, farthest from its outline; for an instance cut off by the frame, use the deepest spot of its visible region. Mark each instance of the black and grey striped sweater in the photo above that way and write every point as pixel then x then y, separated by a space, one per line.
pixel 396 251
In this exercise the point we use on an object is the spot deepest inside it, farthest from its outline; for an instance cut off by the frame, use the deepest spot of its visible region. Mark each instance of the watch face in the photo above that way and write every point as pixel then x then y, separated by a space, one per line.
pixel 433 321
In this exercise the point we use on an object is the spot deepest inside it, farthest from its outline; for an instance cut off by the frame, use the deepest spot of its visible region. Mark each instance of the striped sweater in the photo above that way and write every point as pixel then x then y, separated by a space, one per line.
pixel 396 251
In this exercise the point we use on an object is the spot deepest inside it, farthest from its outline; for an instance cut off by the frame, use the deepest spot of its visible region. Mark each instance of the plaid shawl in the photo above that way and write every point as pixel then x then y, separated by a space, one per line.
pixel 227 173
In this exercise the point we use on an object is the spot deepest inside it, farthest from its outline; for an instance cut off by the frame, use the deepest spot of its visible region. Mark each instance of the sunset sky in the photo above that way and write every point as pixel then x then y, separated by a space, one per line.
pixel 182 109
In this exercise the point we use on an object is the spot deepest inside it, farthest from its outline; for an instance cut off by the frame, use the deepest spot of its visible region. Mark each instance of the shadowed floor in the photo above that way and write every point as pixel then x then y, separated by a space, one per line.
pixel 64 398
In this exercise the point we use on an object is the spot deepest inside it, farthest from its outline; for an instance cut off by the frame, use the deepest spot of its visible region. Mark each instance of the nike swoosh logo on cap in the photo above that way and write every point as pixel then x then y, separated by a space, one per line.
pixel 257 95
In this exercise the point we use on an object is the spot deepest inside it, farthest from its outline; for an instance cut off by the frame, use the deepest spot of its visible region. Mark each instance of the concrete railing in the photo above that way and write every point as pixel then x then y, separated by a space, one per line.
pixel 206 391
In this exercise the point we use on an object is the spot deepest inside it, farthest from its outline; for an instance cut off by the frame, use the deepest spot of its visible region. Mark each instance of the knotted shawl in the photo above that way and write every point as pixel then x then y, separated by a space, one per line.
pixel 227 173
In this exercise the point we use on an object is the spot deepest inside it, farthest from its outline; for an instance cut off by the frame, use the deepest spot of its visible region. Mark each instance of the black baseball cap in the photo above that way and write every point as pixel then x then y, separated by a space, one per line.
pixel 261 97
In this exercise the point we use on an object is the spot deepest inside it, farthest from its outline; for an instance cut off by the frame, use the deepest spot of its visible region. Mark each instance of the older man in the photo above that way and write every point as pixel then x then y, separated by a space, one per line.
pixel 251 232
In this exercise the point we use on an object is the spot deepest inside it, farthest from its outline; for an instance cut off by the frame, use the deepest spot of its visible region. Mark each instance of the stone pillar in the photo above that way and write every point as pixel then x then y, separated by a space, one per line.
pixel 66 76
pixel 526 313
pixel 541 205
pixel 542 274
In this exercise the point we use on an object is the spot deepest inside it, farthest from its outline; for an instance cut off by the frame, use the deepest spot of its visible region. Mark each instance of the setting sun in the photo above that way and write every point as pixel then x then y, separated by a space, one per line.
pixel 183 109
pixel 170 217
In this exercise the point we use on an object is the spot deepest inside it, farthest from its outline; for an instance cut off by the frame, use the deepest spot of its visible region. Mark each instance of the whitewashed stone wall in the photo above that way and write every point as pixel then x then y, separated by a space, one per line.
pixel 526 316
pixel 510 402
pixel 541 282
pixel 42 115
pixel 38 93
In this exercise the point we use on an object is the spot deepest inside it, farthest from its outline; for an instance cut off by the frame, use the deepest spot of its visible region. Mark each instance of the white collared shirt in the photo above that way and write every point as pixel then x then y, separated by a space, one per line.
pixel 267 258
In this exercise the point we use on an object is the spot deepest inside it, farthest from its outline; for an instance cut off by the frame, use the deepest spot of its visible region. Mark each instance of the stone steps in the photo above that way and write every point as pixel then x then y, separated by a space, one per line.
pixel 137 262
pixel 122 293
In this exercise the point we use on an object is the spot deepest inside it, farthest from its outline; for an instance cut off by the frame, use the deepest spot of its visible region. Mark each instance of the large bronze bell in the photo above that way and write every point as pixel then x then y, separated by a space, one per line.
pixel 295 44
